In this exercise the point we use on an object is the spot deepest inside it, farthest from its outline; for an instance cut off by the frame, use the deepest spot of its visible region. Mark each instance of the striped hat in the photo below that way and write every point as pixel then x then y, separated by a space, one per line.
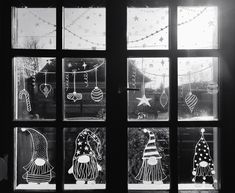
pixel 151 148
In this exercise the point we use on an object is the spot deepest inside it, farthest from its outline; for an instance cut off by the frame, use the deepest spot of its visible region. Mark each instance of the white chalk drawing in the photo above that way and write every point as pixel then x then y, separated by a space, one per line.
pixel 25 93
pixel 163 97
pixel 45 88
pixel 38 170
pixel 85 167
pixel 203 167
pixel 143 100
pixel 151 169
pixel 96 94
pixel 190 99
pixel 74 96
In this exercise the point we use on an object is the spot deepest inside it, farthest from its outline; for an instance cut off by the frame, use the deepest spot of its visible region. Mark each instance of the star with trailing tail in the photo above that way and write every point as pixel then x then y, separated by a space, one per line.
pixel 144 100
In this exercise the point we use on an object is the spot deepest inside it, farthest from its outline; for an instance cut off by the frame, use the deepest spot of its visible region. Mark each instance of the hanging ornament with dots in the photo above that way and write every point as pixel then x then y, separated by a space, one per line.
pixel 74 96
pixel 203 167
pixel 45 88
pixel 96 94
pixel 25 93
pixel 163 97
pixel 190 99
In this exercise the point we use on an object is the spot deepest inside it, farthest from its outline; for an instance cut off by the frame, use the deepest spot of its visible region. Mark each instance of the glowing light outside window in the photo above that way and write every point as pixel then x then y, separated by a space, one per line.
pixel 197 28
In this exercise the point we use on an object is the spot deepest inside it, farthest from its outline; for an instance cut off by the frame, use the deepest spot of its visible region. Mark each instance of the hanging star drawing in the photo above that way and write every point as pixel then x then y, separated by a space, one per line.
pixel 144 101
pixel 84 65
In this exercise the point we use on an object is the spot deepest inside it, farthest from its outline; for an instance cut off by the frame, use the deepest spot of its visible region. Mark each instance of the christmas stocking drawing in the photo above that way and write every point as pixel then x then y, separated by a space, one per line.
pixel 203 167
pixel 151 170
pixel 85 167
pixel 38 170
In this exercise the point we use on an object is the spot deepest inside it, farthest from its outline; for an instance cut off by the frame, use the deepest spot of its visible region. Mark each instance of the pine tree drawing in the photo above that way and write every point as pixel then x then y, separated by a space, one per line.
pixel 203 167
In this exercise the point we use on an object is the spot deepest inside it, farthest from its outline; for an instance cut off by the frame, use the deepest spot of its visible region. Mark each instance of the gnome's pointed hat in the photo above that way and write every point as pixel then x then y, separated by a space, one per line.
pixel 82 144
pixel 151 148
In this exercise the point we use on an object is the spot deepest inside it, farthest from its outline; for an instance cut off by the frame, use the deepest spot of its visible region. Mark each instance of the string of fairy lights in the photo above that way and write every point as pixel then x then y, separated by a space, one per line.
pixel 66 28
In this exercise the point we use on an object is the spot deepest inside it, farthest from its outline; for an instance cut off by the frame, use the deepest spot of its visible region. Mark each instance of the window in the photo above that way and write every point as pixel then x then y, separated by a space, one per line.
pixel 118 95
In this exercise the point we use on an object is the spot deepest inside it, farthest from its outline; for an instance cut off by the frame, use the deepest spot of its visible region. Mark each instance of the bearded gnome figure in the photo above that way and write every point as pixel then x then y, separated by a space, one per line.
pixel 38 170
pixel 203 167
pixel 85 167
pixel 151 170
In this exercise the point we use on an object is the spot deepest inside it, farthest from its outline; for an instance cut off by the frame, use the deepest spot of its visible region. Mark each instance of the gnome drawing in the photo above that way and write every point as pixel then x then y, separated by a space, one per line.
pixel 151 170
pixel 203 167
pixel 85 167
pixel 38 170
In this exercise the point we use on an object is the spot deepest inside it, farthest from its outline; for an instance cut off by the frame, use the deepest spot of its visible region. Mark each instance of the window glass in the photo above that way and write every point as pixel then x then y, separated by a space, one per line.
pixel 34 158
pixel 34 28
pixel 84 28
pixel 148 81
pixel 34 88
pixel 148 159
pixel 147 28
pixel 84 161
pixel 198 158
pixel 84 88
pixel 197 28
pixel 198 88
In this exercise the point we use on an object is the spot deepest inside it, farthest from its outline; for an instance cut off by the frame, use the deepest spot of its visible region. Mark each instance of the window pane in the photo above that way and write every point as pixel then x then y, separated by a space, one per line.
pixel 84 28
pixel 34 158
pixel 34 28
pixel 34 88
pixel 197 28
pixel 84 88
pixel 198 88
pixel 148 79
pixel 84 161
pixel 148 159
pixel 147 28
pixel 198 158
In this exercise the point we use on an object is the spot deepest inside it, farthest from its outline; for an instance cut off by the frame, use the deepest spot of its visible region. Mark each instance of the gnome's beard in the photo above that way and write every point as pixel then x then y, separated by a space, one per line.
pixel 85 171
pixel 151 172
pixel 38 171
pixel 203 171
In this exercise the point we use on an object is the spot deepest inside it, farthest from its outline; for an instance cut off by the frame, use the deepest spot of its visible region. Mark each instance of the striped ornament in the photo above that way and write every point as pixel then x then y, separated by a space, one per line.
pixel 97 94
pixel 191 101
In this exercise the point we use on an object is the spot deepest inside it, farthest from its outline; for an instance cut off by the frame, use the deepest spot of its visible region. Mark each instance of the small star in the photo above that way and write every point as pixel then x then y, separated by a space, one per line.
pixel 78 152
pixel 144 100
pixel 69 65
pixel 161 39
pixel 80 143
pixel 86 148
pixel 136 18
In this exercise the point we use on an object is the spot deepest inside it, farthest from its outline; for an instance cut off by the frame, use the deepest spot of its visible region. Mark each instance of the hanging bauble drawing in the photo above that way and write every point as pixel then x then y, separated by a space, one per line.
pixel 45 88
pixel 163 97
pixel 85 167
pixel 212 88
pixel 203 167
pixel 74 96
pixel 96 94
pixel 190 99
pixel 151 168
pixel 38 170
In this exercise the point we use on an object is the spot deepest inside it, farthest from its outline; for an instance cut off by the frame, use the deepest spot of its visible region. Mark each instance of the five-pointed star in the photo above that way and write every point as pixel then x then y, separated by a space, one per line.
pixel 144 100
